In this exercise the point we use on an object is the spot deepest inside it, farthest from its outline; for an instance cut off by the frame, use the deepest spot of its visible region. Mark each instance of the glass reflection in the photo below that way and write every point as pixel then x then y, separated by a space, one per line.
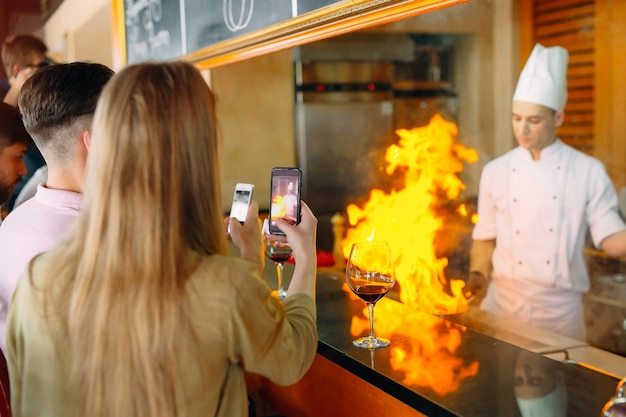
pixel 540 388
pixel 428 358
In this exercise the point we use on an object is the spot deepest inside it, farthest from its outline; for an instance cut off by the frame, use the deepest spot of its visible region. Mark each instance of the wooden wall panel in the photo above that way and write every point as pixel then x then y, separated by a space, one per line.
pixel 543 5
pixel 570 24
pixel 610 88
pixel 592 31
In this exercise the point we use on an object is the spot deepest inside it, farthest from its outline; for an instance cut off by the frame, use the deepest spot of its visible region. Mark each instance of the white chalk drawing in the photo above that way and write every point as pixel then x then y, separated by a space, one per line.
pixel 145 13
pixel 242 21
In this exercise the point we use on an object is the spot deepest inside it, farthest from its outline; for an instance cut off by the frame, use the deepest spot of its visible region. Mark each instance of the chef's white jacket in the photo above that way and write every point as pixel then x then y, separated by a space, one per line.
pixel 539 212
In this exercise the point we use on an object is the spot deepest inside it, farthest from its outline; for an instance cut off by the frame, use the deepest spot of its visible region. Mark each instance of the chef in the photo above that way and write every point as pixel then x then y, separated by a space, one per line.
pixel 536 205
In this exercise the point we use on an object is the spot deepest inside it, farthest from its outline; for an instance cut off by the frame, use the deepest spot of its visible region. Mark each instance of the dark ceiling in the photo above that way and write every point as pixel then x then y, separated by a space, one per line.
pixel 24 16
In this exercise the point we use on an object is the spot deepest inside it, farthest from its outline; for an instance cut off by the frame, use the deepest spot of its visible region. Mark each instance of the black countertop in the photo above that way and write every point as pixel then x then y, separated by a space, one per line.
pixel 437 366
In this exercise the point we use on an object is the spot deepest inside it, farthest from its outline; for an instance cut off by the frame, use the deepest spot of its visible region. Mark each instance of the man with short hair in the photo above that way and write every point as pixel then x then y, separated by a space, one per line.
pixel 57 104
pixel 14 141
pixel 22 56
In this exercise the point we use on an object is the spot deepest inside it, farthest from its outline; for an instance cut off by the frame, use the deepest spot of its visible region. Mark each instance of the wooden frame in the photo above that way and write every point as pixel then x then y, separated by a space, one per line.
pixel 315 395
pixel 339 18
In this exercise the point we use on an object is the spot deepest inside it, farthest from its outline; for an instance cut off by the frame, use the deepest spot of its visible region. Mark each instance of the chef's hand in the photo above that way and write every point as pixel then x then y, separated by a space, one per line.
pixel 475 288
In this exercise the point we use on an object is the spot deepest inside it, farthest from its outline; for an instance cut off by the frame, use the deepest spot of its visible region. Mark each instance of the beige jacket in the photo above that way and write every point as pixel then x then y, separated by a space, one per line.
pixel 232 312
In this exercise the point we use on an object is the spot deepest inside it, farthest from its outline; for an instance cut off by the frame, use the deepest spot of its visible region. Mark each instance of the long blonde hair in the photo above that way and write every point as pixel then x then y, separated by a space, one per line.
pixel 151 194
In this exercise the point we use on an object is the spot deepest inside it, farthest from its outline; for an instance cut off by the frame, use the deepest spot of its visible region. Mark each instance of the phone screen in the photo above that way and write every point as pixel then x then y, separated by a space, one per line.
pixel 285 197
pixel 241 201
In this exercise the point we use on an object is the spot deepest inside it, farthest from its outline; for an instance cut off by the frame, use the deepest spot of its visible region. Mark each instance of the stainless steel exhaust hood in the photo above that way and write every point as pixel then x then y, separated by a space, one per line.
pixel 349 101
pixel 359 47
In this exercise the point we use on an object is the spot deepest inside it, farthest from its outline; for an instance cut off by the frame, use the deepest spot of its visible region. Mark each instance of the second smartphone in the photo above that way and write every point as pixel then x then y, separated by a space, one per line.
pixel 241 201
pixel 285 186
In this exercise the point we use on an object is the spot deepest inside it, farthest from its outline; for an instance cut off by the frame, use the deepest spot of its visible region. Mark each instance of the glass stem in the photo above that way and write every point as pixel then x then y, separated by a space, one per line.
pixel 279 277
pixel 370 310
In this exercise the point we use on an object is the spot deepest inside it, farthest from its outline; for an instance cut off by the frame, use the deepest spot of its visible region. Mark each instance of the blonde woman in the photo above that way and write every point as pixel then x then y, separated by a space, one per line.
pixel 140 312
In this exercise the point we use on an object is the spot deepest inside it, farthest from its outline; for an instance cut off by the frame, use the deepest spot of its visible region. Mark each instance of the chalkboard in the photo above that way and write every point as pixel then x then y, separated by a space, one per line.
pixel 153 30
pixel 167 29
pixel 216 32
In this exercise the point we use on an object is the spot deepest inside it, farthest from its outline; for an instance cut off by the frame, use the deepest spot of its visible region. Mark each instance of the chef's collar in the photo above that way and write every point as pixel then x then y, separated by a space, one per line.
pixel 547 152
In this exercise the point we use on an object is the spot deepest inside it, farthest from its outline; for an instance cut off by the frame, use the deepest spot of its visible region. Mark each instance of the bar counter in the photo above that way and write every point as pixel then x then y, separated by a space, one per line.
pixel 434 367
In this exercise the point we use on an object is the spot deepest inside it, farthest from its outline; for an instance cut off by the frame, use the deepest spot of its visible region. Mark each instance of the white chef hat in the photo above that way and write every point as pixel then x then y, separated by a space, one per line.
pixel 544 78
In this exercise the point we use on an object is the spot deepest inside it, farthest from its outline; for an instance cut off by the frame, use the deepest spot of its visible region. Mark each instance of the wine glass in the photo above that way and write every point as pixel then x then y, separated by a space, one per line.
pixel 279 252
pixel 370 275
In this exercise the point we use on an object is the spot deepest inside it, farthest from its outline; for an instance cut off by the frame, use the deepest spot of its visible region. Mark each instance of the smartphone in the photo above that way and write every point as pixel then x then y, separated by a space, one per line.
pixel 285 186
pixel 241 201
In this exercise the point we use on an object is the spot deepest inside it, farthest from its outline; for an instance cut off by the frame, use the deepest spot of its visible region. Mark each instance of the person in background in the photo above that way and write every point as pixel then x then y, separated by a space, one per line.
pixel 536 205
pixel 14 141
pixel 30 188
pixel 57 104
pixel 22 56
pixel 140 310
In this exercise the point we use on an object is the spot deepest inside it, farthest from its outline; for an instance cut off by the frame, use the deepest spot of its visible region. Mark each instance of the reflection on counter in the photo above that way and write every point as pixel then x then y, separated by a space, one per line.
pixel 440 367
pixel 454 365
pixel 539 386
pixel 426 358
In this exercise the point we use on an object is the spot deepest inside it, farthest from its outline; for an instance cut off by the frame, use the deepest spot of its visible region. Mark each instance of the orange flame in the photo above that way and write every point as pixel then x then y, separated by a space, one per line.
pixel 278 207
pixel 462 210
pixel 408 220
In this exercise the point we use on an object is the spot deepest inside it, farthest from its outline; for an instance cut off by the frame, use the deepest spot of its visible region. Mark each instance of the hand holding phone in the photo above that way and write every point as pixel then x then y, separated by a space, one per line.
pixel 285 186
pixel 241 201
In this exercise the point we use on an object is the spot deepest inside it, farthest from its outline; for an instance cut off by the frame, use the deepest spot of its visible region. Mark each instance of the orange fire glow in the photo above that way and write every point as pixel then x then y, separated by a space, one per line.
pixel 408 220
pixel 427 359
pixel 278 207
pixel 462 210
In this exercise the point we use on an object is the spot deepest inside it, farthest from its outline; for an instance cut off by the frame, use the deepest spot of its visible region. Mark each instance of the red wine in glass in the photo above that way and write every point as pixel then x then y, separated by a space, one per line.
pixel 370 275
pixel 371 293
pixel 279 252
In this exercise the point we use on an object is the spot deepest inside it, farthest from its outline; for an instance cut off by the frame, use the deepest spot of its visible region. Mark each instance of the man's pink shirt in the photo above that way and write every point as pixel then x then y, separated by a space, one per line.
pixel 36 226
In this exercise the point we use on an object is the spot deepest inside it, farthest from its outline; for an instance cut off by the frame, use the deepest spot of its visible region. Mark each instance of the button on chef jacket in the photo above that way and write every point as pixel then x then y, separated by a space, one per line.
pixel 539 212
